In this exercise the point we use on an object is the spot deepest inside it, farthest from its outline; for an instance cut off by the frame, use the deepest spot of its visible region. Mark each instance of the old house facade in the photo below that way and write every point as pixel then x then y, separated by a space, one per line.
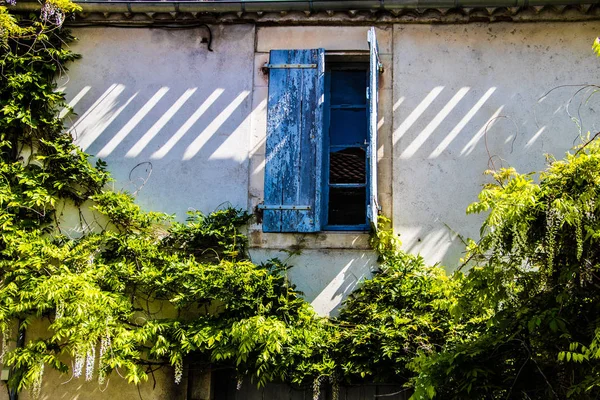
pixel 315 114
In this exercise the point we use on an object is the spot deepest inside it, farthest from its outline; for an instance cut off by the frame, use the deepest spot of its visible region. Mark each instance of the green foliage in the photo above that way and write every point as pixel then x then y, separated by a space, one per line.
pixel 523 323
pixel 148 304
pixel 403 311
pixel 534 287
pixel 136 291
pixel 9 27
pixel 216 235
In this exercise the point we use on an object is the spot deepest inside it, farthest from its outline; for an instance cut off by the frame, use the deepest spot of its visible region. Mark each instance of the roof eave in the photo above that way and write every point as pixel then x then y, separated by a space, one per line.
pixel 220 7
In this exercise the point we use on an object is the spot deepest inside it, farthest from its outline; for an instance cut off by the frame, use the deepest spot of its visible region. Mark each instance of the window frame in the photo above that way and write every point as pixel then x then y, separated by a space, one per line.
pixel 294 203
pixel 340 62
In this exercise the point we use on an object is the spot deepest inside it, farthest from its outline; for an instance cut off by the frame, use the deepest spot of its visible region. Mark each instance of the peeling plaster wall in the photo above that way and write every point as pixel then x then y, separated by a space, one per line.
pixel 185 128
pixel 472 97
pixel 158 100
pixel 330 264
pixel 454 101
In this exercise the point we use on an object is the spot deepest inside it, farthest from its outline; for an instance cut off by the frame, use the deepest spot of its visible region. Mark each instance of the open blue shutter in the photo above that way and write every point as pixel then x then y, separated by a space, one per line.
pixel 294 144
pixel 373 97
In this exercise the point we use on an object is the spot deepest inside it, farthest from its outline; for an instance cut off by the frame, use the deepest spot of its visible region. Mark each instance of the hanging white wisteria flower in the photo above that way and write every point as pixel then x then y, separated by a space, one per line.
pixel 102 368
pixel 6 333
pixel 317 388
pixel 78 367
pixel 89 363
pixel 178 371
pixel 36 387
pixel 60 310
pixel 240 380
pixel 105 343
pixel 335 387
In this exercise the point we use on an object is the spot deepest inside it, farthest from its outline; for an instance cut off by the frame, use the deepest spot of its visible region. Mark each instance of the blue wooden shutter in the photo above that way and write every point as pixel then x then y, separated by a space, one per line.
pixel 294 144
pixel 373 97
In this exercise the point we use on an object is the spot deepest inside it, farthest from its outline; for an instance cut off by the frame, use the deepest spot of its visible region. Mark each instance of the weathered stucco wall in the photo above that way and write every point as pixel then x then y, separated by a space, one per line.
pixel 454 101
pixel 172 121
pixel 184 128
pixel 160 98
pixel 472 97
pixel 330 264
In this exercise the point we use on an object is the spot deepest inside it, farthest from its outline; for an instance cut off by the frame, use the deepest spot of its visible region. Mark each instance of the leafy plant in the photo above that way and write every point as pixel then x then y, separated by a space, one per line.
pixel 135 291
pixel 404 310
pixel 534 288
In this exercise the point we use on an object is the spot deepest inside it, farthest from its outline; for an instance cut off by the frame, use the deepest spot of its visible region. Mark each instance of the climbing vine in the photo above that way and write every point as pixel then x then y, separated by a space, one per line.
pixel 134 291
pixel 535 285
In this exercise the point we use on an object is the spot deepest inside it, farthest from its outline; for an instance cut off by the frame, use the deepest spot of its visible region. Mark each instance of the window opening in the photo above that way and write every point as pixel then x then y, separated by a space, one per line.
pixel 321 160
pixel 346 142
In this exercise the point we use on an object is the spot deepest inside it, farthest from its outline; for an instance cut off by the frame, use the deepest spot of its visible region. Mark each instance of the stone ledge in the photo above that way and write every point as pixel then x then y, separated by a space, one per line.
pixel 318 240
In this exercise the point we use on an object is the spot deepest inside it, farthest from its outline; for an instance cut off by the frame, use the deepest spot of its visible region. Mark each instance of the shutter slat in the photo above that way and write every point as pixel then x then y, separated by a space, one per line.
pixel 311 141
pixel 373 92
pixel 290 165
pixel 294 141
pixel 279 123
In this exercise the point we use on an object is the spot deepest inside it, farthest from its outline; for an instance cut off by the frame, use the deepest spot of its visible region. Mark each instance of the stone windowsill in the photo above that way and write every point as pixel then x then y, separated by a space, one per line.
pixel 319 240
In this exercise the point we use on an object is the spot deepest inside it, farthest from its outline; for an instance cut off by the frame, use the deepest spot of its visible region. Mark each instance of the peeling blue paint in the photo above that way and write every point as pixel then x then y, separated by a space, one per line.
pixel 294 141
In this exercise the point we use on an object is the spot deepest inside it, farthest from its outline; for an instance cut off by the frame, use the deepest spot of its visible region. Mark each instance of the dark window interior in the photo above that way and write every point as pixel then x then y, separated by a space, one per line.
pixel 347 165
pixel 346 88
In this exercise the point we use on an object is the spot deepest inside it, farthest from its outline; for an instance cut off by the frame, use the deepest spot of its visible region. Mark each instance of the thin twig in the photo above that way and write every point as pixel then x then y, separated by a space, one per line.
pixel 391 394
pixel 516 378
pixel 538 367
pixel 588 142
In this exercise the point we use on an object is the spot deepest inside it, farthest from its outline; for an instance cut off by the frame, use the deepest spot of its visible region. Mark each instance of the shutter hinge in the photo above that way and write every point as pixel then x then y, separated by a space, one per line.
pixel 281 207
pixel 290 66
